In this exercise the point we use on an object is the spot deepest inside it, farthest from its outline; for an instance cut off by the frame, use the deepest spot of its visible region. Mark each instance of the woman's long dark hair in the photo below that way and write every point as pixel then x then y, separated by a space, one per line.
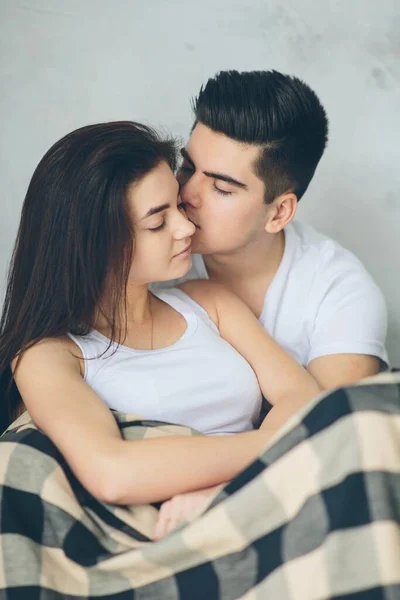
pixel 74 232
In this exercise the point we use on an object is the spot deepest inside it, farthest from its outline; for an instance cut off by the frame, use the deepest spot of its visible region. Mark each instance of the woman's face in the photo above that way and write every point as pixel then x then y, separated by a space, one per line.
pixel 162 231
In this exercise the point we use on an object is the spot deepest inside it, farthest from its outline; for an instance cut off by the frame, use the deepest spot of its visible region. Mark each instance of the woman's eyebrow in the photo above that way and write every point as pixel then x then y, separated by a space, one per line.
pixel 155 209
pixel 213 175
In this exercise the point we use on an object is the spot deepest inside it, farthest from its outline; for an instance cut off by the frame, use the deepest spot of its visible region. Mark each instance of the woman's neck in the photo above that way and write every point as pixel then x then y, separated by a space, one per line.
pixel 138 304
pixel 137 309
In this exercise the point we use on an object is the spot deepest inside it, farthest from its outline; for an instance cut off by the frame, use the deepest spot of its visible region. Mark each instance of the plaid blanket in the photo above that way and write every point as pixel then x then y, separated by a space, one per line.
pixel 316 516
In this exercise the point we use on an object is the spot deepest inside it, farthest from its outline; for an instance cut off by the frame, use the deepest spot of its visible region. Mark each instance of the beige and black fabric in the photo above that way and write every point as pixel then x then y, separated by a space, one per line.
pixel 316 516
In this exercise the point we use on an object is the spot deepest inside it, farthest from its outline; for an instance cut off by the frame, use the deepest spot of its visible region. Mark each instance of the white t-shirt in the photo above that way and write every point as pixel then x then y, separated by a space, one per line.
pixel 321 301
pixel 200 381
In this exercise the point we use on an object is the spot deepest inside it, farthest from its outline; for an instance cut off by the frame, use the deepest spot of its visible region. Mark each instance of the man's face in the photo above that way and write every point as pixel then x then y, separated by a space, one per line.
pixel 223 197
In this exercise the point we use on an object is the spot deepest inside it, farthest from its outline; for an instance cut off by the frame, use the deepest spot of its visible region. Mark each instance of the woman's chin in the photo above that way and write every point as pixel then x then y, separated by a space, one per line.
pixel 185 266
pixel 181 265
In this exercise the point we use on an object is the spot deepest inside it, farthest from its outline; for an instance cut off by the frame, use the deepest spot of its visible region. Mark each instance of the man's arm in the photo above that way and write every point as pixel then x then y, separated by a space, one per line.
pixel 282 379
pixel 347 342
pixel 345 325
pixel 340 369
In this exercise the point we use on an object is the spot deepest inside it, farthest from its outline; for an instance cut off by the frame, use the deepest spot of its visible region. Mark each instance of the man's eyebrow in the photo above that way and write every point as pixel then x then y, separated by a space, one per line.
pixel 155 210
pixel 220 176
pixel 226 178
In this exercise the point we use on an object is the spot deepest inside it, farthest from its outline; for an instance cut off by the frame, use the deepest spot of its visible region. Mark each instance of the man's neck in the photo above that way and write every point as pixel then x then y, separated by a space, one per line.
pixel 259 260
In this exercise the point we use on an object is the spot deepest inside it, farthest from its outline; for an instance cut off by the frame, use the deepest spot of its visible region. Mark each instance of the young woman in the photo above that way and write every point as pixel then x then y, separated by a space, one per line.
pixel 81 333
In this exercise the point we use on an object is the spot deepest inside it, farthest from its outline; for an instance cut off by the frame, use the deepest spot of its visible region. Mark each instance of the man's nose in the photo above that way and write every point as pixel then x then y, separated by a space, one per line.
pixel 190 193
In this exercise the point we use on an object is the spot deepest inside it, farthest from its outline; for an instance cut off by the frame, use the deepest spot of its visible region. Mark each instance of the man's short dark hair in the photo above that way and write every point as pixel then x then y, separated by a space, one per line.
pixel 280 113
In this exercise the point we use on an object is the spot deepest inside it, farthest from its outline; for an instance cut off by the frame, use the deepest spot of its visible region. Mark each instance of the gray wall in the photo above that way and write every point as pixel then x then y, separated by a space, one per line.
pixel 67 63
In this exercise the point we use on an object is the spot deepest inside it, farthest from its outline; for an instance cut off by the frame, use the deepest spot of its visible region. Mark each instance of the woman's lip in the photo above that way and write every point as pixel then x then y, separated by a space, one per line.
pixel 187 249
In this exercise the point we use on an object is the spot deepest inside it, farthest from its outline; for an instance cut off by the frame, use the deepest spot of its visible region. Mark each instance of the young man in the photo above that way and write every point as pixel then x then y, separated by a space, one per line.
pixel 254 147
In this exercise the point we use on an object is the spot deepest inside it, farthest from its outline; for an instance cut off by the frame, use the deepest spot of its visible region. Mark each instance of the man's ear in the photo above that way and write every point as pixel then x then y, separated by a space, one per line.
pixel 282 211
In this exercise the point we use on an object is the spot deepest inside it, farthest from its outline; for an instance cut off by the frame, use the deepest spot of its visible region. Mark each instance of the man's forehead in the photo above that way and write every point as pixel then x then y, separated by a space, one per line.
pixel 211 150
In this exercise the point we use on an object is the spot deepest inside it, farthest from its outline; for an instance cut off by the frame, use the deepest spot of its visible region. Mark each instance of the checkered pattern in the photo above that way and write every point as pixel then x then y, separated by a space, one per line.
pixel 317 516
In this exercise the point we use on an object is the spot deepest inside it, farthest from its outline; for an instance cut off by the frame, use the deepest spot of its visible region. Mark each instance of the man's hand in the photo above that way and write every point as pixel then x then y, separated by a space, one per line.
pixel 181 508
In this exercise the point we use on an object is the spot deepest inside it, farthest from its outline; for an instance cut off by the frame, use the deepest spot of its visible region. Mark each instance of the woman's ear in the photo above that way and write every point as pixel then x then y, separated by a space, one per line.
pixel 282 211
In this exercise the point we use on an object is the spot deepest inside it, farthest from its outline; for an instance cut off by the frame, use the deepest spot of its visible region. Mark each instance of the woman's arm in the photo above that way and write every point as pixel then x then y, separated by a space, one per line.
pixel 283 381
pixel 114 470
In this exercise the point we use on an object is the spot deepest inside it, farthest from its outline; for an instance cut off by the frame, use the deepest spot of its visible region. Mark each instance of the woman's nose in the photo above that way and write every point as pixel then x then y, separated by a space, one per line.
pixel 185 227
pixel 188 226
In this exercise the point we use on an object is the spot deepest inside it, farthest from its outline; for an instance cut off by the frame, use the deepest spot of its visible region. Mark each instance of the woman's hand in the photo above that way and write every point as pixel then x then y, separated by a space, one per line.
pixel 188 505
pixel 181 508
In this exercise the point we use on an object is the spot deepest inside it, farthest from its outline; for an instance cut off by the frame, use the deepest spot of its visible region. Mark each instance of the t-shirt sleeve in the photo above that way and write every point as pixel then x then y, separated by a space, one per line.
pixel 351 315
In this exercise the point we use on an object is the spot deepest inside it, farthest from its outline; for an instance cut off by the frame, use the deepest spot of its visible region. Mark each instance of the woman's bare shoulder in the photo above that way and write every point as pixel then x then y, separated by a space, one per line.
pixel 53 349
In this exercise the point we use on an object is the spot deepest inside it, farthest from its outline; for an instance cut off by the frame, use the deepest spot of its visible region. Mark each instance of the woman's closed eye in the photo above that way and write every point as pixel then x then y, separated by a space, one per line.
pixel 180 207
pixel 158 227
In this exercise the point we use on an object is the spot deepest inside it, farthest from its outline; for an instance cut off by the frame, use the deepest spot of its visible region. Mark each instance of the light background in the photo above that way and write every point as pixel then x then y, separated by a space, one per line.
pixel 64 64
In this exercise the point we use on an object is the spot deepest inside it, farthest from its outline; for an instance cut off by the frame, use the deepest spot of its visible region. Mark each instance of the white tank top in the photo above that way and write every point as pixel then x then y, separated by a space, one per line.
pixel 200 381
